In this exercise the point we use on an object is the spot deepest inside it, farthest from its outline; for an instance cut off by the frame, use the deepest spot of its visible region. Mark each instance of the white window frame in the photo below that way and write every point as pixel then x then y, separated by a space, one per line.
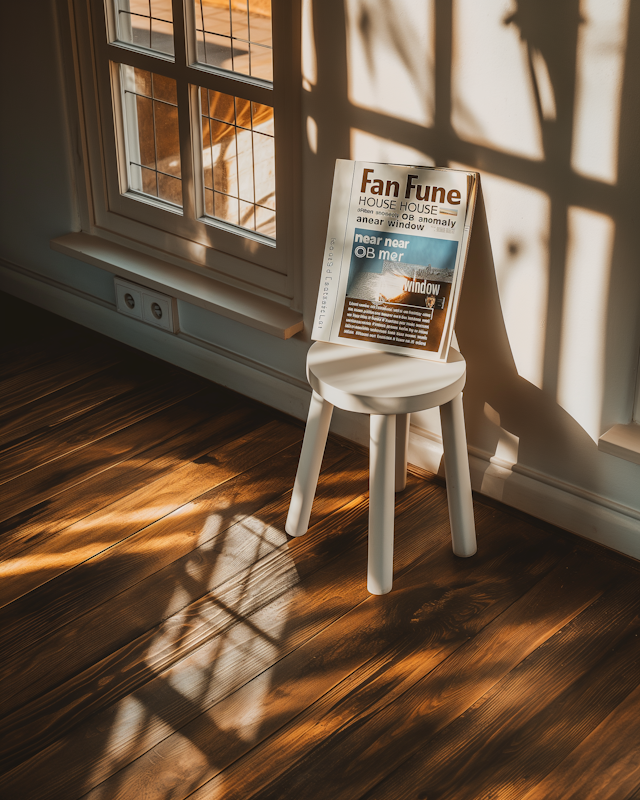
pixel 223 252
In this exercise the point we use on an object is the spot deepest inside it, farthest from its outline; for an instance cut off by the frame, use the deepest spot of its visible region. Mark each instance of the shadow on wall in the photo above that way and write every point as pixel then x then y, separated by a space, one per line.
pixel 540 98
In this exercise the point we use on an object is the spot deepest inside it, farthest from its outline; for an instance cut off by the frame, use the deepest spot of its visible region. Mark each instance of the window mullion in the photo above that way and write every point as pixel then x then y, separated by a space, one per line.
pixel 186 150
pixel 189 38
pixel 189 176
pixel 179 40
pixel 235 86
pixel 180 71
pixel 137 58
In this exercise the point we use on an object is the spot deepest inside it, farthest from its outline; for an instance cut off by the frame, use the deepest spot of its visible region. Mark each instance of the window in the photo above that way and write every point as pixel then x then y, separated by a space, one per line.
pixel 191 116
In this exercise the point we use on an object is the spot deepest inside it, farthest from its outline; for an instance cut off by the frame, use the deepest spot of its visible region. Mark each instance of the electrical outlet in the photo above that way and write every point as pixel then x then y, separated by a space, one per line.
pixel 157 310
pixel 128 298
pixel 146 304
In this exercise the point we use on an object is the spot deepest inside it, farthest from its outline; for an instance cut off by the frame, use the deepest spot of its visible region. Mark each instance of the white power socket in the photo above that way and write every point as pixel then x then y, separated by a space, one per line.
pixel 147 305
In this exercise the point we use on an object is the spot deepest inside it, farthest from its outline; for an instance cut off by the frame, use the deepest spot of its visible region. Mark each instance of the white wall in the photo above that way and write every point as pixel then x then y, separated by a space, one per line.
pixel 545 107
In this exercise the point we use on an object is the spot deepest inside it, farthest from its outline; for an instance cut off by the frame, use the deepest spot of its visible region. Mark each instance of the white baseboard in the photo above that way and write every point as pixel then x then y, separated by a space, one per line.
pixel 589 515
pixel 237 372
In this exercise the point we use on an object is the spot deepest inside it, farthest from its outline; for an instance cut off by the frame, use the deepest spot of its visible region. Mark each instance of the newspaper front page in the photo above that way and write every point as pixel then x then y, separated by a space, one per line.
pixel 394 258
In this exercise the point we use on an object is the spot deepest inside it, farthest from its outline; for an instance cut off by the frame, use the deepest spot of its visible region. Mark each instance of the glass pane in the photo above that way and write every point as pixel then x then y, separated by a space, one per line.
pixel 214 17
pixel 224 158
pixel 206 153
pixel 152 134
pixel 214 50
pixel 144 139
pixel 164 89
pixel 266 221
pixel 143 180
pixel 240 20
pixel 162 36
pixel 204 102
pixel 208 202
pixel 261 62
pixel 146 24
pixel 235 35
pixel 262 118
pixel 247 215
pixel 143 83
pixel 170 189
pixel 225 208
pixel 149 181
pixel 265 177
pixel 243 113
pixel 245 165
pixel 260 21
pixel 167 141
pixel 222 106
pixel 238 156
pixel 241 60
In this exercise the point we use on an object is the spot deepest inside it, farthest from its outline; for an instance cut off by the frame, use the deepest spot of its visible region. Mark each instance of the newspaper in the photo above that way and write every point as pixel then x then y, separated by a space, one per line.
pixel 396 248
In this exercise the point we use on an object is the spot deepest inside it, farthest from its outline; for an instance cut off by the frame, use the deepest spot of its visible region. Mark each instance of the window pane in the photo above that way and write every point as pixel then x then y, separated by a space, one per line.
pixel 152 134
pixel 145 137
pixel 235 35
pixel 221 106
pixel 146 24
pixel 238 159
pixel 225 174
pixel 264 173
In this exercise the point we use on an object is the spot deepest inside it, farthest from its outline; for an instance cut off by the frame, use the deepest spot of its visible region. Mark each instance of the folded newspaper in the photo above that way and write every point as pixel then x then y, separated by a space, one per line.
pixel 394 259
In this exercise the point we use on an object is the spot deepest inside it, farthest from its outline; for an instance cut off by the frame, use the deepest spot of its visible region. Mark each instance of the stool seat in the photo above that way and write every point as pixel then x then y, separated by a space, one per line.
pixel 389 387
pixel 375 382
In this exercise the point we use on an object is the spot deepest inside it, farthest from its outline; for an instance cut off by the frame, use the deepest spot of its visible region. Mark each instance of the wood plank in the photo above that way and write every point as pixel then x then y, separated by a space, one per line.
pixel 190 741
pixel 368 724
pixel 605 764
pixel 23 426
pixel 150 419
pixel 489 755
pixel 209 487
pixel 31 383
pixel 23 357
pixel 364 640
pixel 269 589
pixel 236 551
pixel 634 795
pixel 194 430
pixel 549 728
pixel 94 533
pixel 146 396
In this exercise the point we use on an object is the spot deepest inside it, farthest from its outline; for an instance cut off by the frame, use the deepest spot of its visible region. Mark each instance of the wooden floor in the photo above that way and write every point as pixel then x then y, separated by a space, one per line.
pixel 161 637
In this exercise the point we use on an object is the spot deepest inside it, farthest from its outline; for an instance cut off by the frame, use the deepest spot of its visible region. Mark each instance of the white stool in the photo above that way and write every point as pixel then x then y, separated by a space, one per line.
pixel 389 388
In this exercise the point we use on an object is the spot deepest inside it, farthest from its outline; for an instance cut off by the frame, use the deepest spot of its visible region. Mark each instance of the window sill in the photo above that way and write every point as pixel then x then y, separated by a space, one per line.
pixel 622 441
pixel 228 301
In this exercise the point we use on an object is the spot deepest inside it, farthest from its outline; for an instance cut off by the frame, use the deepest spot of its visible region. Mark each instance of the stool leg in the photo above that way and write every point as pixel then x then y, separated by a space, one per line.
pixel 304 488
pixel 381 503
pixel 456 466
pixel 402 446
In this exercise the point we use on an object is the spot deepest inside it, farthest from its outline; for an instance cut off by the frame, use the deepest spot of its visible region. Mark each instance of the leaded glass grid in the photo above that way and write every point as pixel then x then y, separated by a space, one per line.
pixel 152 134
pixel 238 158
pixel 235 35
pixel 147 24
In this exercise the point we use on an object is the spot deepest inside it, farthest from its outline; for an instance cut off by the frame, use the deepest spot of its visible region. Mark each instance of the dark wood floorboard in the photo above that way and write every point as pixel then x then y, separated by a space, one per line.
pixel 196 428
pixel 162 638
